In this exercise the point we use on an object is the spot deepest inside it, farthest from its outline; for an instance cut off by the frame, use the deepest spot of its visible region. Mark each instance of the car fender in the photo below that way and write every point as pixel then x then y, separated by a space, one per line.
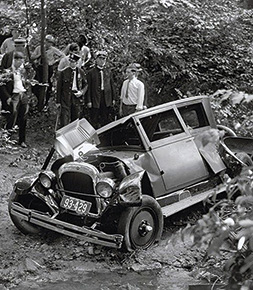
pixel 234 145
pixel 130 193
pixel 25 183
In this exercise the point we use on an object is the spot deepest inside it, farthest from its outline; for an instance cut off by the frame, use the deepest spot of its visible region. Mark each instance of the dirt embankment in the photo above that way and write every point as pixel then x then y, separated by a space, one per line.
pixel 53 261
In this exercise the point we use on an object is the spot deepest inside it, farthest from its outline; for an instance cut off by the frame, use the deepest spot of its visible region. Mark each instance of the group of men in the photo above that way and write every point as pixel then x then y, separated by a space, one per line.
pixel 77 85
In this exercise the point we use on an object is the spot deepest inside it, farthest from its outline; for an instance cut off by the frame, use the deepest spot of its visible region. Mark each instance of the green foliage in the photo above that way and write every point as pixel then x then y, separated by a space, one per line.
pixel 229 225
pixel 185 46
pixel 233 109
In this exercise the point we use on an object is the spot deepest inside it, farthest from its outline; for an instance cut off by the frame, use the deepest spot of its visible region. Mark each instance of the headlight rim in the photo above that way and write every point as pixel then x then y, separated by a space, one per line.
pixel 106 181
pixel 50 176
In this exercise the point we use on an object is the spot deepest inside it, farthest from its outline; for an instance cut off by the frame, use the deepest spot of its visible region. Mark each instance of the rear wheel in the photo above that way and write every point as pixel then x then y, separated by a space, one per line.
pixel 24 226
pixel 245 158
pixel 141 226
pixel 228 131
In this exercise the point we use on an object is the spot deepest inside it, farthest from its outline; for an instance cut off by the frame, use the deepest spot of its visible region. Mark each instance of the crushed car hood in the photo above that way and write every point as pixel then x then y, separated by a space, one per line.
pixel 76 139
pixel 79 137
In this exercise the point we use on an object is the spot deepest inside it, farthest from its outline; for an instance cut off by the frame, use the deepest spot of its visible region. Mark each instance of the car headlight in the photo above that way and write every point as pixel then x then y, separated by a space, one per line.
pixel 47 178
pixel 105 187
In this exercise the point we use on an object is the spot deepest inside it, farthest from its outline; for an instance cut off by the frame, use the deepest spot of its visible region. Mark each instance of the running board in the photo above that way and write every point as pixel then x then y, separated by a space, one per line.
pixel 189 201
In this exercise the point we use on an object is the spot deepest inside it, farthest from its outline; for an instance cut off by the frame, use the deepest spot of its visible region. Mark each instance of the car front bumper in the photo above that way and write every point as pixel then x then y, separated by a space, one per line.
pixel 84 233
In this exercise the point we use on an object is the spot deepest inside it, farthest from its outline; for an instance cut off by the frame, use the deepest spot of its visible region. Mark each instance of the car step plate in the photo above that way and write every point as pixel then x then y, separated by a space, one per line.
pixel 189 201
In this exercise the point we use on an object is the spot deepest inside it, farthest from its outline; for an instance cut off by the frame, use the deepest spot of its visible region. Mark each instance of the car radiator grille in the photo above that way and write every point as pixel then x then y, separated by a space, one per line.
pixel 81 184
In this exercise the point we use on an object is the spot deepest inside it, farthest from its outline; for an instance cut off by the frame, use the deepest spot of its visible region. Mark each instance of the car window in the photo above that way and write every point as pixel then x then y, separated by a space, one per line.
pixel 194 116
pixel 122 135
pixel 161 125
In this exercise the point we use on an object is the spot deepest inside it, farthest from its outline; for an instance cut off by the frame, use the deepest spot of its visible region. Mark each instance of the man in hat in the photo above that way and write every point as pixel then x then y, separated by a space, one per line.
pixel 101 91
pixel 71 88
pixel 13 94
pixel 7 64
pixel 19 45
pixel 64 62
pixel 53 56
pixel 132 92
pixel 9 44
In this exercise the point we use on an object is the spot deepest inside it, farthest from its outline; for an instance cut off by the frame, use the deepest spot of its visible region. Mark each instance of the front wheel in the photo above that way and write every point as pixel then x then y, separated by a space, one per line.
pixel 24 226
pixel 141 226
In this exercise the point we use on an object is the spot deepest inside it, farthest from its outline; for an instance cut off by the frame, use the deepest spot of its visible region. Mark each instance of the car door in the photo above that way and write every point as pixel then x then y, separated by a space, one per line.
pixel 174 150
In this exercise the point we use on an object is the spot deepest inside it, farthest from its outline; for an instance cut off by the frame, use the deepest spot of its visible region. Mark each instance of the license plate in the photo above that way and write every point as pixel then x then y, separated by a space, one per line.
pixel 77 205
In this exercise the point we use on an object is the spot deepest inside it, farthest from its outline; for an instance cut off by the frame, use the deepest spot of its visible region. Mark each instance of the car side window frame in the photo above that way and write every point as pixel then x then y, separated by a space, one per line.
pixel 202 117
pixel 176 135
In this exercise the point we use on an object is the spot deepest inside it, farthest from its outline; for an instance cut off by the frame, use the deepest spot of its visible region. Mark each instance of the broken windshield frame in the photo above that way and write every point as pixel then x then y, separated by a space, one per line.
pixel 122 135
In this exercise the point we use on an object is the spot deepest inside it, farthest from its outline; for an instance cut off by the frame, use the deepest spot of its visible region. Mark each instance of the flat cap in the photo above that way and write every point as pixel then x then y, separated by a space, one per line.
pixel 50 38
pixel 74 56
pixel 101 53
pixel 134 66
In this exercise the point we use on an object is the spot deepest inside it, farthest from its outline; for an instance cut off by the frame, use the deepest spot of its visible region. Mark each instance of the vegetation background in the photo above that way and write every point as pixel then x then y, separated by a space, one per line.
pixel 186 47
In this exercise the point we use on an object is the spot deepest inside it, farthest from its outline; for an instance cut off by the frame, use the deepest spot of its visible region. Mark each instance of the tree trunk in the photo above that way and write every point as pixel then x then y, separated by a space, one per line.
pixel 44 63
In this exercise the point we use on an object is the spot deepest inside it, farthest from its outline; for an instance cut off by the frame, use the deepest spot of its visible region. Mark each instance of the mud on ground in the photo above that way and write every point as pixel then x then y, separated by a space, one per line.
pixel 54 261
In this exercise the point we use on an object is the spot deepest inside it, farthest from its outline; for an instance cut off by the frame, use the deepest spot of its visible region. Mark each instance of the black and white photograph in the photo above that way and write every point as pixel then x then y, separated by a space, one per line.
pixel 126 144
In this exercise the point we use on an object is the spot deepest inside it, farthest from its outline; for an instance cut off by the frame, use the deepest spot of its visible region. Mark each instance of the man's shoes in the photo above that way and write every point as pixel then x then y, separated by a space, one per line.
pixel 23 145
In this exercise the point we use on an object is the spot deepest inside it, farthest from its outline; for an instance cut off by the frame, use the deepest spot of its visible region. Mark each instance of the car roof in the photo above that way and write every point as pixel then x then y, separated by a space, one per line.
pixel 150 110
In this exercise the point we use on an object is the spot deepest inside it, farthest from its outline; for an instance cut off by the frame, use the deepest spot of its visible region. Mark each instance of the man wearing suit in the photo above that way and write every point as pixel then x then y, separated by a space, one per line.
pixel 71 88
pixel 14 97
pixel 101 91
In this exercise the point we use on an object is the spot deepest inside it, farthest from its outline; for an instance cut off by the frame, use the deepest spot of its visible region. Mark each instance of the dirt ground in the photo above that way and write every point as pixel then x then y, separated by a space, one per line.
pixel 52 261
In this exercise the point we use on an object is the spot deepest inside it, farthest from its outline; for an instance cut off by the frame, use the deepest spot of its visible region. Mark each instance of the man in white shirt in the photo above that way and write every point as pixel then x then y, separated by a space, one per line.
pixel 9 44
pixel 132 92
pixel 14 94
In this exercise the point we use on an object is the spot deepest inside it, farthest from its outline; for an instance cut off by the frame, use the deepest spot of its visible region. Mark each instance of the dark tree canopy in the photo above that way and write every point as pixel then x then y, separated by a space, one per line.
pixel 184 46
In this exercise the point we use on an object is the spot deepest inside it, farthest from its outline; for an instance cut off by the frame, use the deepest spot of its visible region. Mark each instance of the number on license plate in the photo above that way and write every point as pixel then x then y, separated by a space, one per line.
pixel 75 204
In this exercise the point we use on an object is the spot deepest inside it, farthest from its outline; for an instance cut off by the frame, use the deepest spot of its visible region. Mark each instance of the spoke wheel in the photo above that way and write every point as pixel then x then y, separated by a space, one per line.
pixel 141 226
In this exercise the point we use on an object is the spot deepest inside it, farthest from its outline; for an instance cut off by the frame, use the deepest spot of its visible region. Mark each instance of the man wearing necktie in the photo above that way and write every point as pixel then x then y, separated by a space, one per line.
pixel 132 92
pixel 14 94
pixel 101 91
pixel 71 88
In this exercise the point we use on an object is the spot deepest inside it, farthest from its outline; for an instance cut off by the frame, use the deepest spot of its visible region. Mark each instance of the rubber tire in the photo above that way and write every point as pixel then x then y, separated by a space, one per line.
pixel 245 158
pixel 228 132
pixel 152 209
pixel 24 226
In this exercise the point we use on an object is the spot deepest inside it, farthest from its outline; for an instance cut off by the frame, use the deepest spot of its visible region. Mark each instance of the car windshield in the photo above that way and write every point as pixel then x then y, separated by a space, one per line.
pixel 121 135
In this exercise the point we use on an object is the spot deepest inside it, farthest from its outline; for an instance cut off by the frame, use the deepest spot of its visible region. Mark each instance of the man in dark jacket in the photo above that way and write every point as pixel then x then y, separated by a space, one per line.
pixel 71 88
pixel 101 91
pixel 14 95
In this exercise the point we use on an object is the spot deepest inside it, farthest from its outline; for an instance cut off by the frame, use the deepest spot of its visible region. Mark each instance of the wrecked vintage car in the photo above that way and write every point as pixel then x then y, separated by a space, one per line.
pixel 114 186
